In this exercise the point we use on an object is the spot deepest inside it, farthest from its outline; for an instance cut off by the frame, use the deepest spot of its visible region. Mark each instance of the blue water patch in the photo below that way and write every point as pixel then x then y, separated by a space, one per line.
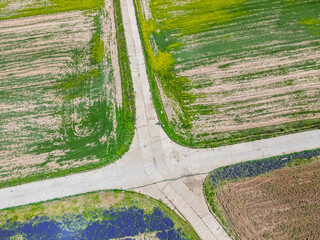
pixel 255 168
pixel 107 224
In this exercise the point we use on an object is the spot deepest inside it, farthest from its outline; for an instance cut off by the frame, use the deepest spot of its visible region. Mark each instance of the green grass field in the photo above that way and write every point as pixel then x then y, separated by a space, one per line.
pixel 10 9
pixel 67 101
pixel 268 198
pixel 232 71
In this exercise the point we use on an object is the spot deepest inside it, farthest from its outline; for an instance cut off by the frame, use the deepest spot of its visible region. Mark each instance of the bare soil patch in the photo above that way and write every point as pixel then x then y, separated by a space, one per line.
pixel 283 204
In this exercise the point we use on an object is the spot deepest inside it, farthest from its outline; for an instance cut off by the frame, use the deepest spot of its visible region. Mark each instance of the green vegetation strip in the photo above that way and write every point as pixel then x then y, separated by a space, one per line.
pixel 81 84
pixel 160 66
pixel 90 204
pixel 49 7
pixel 253 134
pixel 188 44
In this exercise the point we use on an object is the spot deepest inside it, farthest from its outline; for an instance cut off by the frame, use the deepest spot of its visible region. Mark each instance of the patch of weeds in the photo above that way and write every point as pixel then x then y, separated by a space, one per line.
pixel 266 235
pixel 207 109
pixel 238 119
pixel 224 66
pixel 300 162
pixel 289 82
pixel 160 66
pixel 97 115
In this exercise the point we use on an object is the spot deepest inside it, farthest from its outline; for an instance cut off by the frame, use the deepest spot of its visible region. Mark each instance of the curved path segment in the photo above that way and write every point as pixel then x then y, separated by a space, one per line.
pixel 155 165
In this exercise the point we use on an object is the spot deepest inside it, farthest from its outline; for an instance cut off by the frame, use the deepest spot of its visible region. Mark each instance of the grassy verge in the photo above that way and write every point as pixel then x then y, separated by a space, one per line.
pixel 253 134
pixel 91 202
pixel 125 114
pixel 126 83
pixel 160 66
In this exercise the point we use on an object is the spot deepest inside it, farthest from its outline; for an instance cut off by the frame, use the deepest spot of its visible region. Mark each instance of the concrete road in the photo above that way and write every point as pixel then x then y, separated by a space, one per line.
pixel 154 164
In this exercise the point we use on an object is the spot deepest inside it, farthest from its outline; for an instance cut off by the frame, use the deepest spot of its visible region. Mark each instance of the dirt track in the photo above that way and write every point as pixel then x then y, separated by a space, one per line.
pixel 281 205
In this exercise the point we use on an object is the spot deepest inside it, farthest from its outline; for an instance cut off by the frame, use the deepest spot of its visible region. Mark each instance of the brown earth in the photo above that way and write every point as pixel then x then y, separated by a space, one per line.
pixel 282 205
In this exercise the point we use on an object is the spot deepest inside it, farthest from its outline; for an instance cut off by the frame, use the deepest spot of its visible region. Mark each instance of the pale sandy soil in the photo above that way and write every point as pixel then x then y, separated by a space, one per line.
pixel 257 101
pixel 110 41
pixel 253 64
pixel 13 6
pixel 29 73
pixel 34 35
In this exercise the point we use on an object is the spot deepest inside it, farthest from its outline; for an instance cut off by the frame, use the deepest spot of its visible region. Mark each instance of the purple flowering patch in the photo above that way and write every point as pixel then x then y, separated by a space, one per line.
pixel 107 224
pixel 255 168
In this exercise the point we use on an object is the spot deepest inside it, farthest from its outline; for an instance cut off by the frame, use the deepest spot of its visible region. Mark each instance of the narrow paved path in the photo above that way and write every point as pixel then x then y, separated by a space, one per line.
pixel 154 164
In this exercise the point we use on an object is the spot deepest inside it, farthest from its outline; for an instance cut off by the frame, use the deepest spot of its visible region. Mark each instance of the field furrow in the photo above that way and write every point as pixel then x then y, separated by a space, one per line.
pixel 246 69
pixel 61 89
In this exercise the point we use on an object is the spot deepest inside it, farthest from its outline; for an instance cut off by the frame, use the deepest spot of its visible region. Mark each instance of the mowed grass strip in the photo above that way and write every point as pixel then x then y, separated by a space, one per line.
pixel 61 94
pixel 250 68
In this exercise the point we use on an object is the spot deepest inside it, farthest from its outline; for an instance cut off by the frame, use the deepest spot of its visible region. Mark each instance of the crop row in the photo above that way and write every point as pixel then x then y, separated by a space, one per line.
pixel 100 141
pixel 36 7
pixel 108 224
pixel 205 57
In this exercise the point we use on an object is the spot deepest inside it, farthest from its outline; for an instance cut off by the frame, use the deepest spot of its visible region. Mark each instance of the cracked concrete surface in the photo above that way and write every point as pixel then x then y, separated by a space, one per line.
pixel 155 165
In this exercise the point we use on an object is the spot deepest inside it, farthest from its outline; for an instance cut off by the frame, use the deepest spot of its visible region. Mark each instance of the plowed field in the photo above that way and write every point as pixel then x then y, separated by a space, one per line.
pixel 281 205
pixel 234 70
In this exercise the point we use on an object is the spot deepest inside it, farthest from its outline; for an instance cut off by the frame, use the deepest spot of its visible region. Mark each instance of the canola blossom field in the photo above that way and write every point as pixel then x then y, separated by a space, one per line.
pixel 102 215
pixel 224 72
pixel 66 101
